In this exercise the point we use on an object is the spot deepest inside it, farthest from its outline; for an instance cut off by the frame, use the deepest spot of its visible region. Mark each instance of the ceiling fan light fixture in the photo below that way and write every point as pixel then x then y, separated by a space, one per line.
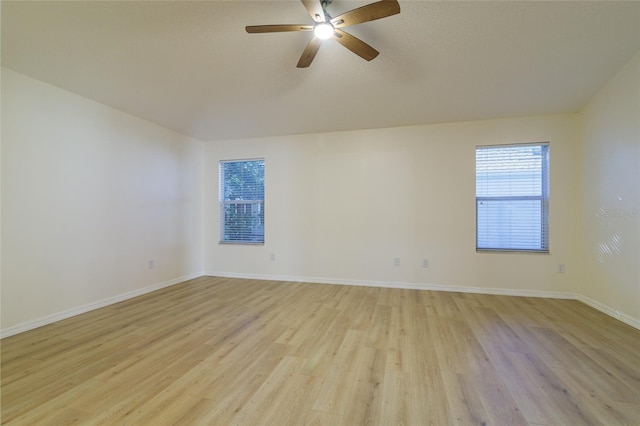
pixel 326 27
pixel 323 30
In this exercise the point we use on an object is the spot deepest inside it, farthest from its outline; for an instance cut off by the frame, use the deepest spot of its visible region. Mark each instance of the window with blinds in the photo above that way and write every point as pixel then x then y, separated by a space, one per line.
pixel 242 201
pixel 512 197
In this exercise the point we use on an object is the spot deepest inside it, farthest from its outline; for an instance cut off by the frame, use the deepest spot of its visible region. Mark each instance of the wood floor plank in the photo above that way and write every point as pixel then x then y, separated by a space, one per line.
pixel 339 379
pixel 227 351
pixel 297 400
pixel 366 393
pixel 558 394
pixel 595 401
pixel 320 418
pixel 464 401
pixel 271 394
pixel 37 414
pixel 499 405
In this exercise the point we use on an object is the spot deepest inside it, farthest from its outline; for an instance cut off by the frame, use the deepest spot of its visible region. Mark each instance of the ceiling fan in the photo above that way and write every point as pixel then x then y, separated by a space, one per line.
pixel 326 27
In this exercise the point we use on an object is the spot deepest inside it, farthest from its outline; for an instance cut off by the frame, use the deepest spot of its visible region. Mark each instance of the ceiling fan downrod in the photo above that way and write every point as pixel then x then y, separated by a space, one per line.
pixel 324 4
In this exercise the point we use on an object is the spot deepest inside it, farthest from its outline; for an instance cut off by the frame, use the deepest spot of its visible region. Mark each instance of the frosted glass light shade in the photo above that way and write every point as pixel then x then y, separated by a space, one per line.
pixel 323 30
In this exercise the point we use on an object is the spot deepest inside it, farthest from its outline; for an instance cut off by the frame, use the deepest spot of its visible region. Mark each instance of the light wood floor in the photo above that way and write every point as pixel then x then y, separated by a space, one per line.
pixel 229 351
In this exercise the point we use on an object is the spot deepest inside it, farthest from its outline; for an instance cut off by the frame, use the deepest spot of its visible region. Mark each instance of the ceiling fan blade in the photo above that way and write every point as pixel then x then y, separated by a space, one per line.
pixel 314 7
pixel 355 45
pixel 370 12
pixel 309 52
pixel 277 28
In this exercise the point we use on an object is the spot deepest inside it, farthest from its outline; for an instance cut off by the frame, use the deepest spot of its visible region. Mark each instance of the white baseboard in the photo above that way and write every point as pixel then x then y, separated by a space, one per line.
pixel 610 311
pixel 49 319
pixel 435 287
pixel 403 285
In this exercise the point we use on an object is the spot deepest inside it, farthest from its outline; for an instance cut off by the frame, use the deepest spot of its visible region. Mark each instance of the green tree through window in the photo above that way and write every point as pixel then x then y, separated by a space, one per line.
pixel 242 201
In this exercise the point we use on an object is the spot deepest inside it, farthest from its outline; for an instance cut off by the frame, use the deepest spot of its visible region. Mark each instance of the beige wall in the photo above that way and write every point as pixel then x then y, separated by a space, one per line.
pixel 610 205
pixel 89 195
pixel 340 207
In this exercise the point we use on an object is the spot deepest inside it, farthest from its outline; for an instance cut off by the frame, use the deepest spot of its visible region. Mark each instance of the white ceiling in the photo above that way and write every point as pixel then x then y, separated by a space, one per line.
pixel 191 67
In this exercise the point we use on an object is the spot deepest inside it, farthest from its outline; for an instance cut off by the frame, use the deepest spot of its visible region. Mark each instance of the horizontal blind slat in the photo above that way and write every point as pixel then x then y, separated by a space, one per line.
pixel 242 201
pixel 511 197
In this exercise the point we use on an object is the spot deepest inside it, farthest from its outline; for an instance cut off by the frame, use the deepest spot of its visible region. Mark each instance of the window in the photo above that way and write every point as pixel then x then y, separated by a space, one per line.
pixel 242 201
pixel 512 197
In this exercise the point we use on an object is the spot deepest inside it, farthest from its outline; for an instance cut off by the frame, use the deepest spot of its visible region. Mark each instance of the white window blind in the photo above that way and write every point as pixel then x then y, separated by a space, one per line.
pixel 512 197
pixel 242 201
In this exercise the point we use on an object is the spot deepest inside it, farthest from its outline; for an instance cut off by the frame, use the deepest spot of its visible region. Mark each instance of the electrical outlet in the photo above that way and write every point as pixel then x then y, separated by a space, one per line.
pixel 425 263
pixel 151 264
pixel 273 257
pixel 396 261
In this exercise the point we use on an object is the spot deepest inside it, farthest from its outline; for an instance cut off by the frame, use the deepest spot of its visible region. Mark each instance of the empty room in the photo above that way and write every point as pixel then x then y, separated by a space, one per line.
pixel 320 213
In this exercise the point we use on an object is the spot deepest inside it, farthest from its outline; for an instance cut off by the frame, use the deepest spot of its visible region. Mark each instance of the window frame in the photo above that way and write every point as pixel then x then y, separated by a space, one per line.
pixel 223 203
pixel 543 198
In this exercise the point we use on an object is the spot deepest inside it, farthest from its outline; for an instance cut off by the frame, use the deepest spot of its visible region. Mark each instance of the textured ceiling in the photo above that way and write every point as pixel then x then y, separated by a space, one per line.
pixel 191 67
